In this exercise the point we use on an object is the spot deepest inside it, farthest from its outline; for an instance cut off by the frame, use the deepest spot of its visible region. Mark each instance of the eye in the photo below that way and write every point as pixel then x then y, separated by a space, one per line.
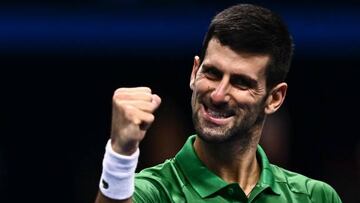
pixel 241 83
pixel 211 73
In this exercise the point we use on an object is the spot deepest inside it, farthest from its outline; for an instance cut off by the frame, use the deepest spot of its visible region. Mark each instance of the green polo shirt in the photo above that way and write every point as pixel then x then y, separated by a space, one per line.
pixel 185 178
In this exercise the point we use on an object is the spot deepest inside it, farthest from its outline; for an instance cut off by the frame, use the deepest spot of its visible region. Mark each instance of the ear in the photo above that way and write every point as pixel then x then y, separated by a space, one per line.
pixel 195 68
pixel 276 98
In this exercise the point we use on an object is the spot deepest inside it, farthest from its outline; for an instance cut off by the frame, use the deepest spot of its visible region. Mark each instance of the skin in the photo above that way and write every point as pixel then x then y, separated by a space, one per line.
pixel 230 103
pixel 132 115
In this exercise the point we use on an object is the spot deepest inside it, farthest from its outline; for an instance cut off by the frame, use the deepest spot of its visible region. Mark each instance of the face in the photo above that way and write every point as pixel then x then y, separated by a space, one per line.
pixel 229 93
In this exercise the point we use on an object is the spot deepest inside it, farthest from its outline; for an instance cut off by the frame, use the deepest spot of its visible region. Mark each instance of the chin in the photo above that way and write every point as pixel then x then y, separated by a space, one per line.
pixel 213 135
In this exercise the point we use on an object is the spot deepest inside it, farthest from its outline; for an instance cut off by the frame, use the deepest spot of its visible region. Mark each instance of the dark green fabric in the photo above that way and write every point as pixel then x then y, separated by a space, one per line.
pixel 185 178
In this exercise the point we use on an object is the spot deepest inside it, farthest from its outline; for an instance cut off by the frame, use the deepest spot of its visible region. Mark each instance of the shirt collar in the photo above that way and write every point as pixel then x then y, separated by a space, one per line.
pixel 267 178
pixel 204 181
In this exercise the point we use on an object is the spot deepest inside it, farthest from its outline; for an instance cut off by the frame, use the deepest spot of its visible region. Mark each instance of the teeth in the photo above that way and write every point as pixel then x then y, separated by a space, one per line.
pixel 218 114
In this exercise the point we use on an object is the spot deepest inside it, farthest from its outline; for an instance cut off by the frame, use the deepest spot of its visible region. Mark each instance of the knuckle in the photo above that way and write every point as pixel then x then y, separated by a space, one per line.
pixel 147 89
pixel 119 90
pixel 151 118
pixel 120 95
pixel 136 121
pixel 119 104
pixel 147 97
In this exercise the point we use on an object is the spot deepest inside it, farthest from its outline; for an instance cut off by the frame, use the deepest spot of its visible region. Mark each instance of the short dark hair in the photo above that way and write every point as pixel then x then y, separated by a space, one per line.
pixel 257 30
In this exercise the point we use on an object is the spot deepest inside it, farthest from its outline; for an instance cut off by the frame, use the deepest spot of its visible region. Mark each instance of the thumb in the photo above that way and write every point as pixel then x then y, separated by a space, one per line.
pixel 156 100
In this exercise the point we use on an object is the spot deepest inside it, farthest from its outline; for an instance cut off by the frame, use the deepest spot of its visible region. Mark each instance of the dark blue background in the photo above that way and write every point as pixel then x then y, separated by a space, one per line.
pixel 61 61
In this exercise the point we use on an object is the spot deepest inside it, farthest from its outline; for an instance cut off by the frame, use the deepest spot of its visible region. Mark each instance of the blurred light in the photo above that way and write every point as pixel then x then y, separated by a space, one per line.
pixel 160 31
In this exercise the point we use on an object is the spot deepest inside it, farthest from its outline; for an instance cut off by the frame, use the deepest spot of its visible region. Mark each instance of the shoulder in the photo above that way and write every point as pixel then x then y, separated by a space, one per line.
pixel 153 184
pixel 159 173
pixel 316 190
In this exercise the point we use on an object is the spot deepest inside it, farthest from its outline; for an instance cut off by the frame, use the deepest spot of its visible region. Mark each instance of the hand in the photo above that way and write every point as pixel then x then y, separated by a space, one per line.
pixel 132 115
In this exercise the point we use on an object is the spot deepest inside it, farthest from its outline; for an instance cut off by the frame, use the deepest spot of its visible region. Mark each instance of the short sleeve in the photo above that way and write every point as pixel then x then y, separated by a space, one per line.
pixel 323 193
pixel 147 191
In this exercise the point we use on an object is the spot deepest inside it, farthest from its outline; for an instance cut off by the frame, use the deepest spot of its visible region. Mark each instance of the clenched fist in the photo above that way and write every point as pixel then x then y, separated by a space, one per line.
pixel 132 115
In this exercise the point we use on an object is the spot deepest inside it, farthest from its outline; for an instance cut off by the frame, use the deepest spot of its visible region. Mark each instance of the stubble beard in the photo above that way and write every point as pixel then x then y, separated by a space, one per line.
pixel 247 121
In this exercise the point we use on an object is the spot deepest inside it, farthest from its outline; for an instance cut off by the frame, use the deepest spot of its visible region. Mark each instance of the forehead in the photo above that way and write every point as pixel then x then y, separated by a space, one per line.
pixel 229 61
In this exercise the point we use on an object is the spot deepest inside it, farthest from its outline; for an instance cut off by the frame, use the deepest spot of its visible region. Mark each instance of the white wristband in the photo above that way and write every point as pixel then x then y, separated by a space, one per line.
pixel 117 178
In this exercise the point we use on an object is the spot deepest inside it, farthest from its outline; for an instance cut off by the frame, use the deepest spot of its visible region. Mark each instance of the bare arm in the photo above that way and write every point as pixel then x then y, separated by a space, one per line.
pixel 132 115
pixel 103 199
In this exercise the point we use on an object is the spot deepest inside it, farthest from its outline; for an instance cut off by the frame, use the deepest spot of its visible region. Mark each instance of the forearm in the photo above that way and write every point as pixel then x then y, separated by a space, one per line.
pixel 103 199
pixel 132 115
pixel 117 178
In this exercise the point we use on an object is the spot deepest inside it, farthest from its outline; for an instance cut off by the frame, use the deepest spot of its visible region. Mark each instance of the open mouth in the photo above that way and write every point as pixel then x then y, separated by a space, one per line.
pixel 217 116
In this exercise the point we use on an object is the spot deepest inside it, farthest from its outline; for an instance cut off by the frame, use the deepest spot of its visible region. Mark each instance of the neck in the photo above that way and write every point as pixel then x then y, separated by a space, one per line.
pixel 231 161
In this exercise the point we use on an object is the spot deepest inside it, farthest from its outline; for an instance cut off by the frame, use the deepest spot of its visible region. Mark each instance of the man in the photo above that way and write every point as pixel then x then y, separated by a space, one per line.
pixel 237 81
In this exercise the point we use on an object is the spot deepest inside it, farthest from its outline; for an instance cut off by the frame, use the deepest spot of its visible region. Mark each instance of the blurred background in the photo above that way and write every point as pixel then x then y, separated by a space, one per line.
pixel 61 61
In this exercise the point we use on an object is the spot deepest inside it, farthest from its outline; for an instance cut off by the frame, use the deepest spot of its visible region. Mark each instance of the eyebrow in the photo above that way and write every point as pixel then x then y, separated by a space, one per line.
pixel 234 76
pixel 251 81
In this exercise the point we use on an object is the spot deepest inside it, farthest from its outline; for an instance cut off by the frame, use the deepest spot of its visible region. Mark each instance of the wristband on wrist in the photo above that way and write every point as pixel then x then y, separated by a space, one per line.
pixel 118 173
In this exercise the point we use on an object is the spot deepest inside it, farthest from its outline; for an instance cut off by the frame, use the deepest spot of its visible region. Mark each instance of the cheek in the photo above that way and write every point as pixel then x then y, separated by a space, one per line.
pixel 241 96
pixel 202 84
pixel 200 89
pixel 245 98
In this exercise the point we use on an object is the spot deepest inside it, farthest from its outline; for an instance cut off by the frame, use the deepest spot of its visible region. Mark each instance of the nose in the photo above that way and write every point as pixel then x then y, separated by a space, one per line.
pixel 221 92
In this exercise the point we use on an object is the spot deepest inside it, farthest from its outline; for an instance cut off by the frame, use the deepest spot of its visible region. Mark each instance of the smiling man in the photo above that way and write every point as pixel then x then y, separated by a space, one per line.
pixel 237 81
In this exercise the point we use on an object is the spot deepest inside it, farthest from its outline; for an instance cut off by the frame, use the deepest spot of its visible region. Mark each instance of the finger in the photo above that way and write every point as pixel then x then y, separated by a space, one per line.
pixel 145 96
pixel 138 116
pixel 135 115
pixel 134 89
pixel 139 104
pixel 156 101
